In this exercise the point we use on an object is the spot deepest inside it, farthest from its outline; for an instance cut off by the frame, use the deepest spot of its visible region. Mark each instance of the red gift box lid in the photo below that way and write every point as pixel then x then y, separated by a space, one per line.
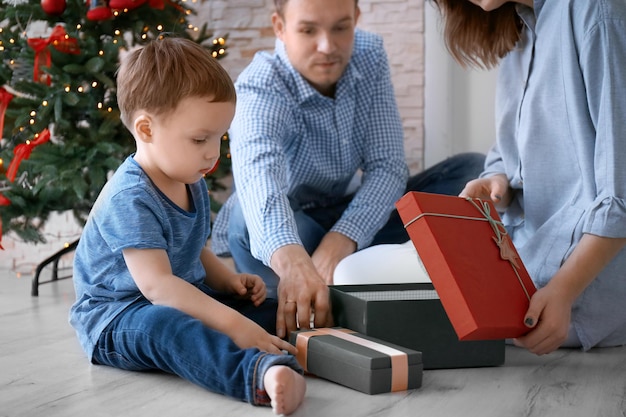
pixel 477 272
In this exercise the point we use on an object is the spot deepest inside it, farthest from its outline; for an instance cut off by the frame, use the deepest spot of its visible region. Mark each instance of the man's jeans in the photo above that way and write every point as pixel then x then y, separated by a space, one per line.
pixel 447 177
pixel 146 337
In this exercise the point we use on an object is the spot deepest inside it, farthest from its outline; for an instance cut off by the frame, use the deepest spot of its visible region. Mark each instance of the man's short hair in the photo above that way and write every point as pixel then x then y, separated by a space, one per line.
pixel 279 6
pixel 157 76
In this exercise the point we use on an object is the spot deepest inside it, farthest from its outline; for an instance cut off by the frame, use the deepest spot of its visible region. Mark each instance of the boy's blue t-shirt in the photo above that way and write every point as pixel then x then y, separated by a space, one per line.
pixel 131 212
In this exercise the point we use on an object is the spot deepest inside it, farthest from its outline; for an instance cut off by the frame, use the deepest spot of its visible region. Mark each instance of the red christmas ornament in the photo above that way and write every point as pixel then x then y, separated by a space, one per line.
pixel 125 4
pixel 53 7
pixel 98 10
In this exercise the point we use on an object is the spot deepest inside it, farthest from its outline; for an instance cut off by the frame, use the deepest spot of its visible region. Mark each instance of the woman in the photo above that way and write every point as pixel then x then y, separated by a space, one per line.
pixel 557 171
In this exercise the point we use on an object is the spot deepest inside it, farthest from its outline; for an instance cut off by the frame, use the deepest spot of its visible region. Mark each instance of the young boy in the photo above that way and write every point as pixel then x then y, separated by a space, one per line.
pixel 146 284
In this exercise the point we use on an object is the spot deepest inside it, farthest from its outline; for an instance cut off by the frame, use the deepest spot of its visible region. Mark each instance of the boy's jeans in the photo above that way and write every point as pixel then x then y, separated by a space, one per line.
pixel 147 337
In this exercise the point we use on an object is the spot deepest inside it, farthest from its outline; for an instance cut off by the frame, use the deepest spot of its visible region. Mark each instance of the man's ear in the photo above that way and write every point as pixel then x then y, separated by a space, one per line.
pixel 357 14
pixel 279 25
pixel 143 127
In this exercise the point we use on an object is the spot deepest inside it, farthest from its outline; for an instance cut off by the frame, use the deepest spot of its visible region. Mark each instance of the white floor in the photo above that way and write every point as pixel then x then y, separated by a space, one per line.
pixel 43 372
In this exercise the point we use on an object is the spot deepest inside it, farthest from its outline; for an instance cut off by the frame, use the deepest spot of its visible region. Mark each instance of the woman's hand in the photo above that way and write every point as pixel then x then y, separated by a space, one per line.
pixel 549 313
pixel 495 188
pixel 548 316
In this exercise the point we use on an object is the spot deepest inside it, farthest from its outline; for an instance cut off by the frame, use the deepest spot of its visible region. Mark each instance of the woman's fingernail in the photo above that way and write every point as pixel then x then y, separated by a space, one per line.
pixel 529 322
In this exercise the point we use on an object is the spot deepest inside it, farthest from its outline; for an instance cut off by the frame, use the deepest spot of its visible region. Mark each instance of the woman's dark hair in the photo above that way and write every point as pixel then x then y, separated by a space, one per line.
pixel 476 38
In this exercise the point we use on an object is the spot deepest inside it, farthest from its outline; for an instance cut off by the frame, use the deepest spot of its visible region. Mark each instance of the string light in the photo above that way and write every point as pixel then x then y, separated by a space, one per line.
pixel 44 103
pixel 94 84
pixel 67 89
pixel 100 105
pixel 80 89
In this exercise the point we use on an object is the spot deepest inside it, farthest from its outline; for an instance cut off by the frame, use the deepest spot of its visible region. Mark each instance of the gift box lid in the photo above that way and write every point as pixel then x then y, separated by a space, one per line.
pixel 477 272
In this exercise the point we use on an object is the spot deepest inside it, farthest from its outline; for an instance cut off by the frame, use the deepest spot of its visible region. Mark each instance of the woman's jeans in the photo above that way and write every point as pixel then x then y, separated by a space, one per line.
pixel 147 337
pixel 447 177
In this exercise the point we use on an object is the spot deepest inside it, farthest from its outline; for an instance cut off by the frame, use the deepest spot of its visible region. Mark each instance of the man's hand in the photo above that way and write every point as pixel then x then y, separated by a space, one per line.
pixel 331 250
pixel 302 292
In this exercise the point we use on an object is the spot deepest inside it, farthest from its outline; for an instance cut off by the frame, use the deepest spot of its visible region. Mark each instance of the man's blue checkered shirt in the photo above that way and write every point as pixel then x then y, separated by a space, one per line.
pixel 289 143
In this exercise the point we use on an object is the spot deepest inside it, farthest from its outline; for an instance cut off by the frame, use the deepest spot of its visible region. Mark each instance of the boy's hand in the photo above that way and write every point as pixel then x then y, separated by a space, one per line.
pixel 247 334
pixel 251 287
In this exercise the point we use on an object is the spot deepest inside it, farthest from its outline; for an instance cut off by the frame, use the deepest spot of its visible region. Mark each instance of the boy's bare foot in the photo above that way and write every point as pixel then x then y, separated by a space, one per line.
pixel 285 387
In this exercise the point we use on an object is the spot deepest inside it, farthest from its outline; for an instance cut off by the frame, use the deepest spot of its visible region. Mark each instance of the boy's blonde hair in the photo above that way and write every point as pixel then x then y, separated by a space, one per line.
pixel 157 76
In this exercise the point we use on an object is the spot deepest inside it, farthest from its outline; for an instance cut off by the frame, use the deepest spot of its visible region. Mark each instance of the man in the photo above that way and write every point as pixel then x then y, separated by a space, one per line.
pixel 318 158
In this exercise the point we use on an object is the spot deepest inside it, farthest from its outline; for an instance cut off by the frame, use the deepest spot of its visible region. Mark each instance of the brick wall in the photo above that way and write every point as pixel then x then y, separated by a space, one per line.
pixel 248 26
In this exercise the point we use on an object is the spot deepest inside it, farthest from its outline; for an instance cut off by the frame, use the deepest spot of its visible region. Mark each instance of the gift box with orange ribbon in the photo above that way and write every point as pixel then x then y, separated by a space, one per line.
pixel 481 280
pixel 358 361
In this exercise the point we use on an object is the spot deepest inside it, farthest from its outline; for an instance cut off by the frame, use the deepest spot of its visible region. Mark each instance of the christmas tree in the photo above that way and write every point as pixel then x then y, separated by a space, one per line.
pixel 61 132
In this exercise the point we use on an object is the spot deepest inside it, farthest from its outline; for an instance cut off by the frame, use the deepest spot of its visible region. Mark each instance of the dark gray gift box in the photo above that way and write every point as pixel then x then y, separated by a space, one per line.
pixel 411 315
pixel 353 365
